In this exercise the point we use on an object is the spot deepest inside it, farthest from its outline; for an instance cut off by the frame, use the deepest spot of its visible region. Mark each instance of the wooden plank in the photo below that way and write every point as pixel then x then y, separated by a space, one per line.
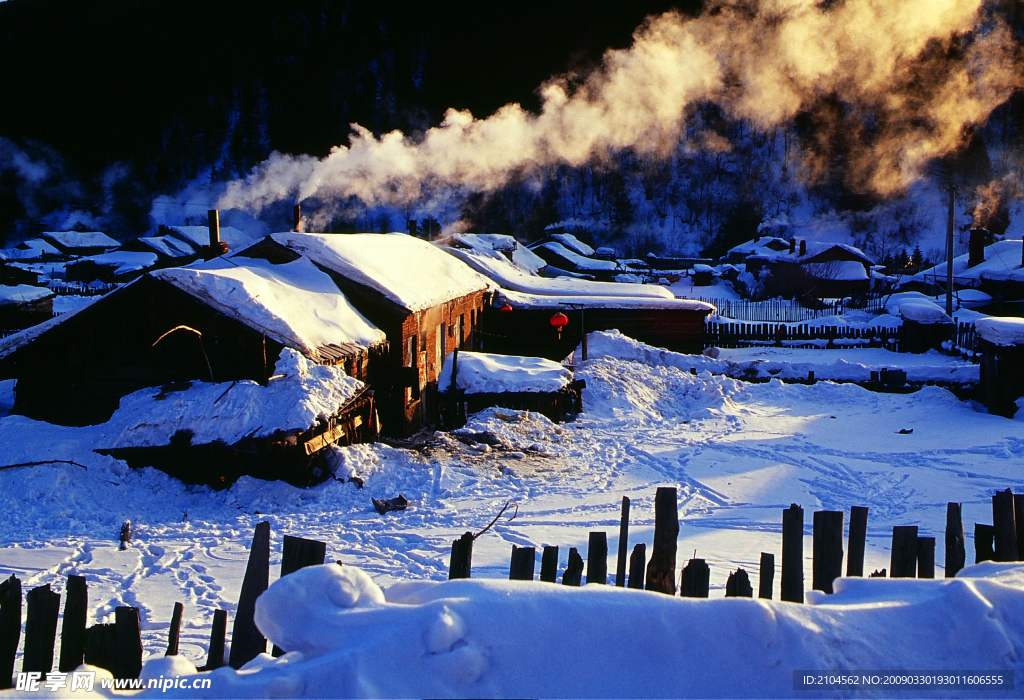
pixel 1005 526
pixel 903 558
pixel 827 549
pixel 620 562
pixel 215 657
pixel 174 633
pixel 522 564
pixel 461 563
pixel 637 564
pixel 926 557
pixel 298 553
pixel 128 632
pixel 40 629
pixel 983 541
pixel 858 538
pixel 793 554
pixel 573 575
pixel 956 553
pixel 101 647
pixel 549 564
pixel 696 581
pixel 661 575
pixel 738 585
pixel 1018 516
pixel 72 633
pixel 597 558
pixel 766 576
pixel 246 640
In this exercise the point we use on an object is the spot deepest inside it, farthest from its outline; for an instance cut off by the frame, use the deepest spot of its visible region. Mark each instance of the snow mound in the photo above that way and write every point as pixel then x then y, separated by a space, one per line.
pixel 1001 331
pixel 923 312
pixel 482 373
pixel 229 412
pixel 22 294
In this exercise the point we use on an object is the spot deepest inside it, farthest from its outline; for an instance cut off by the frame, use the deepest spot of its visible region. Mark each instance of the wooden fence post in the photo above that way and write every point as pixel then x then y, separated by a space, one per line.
pixel 738 585
pixel 903 559
pixel 661 569
pixel 926 557
pixel 620 562
pixel 549 564
pixel 637 564
pixel 574 569
pixel 247 642
pixel 793 554
pixel 128 633
pixel 766 576
pixel 827 549
pixel 101 647
pixel 1005 526
pixel 858 537
pixel 215 657
pixel 956 553
pixel 461 563
pixel 10 628
pixel 174 633
pixel 40 629
pixel 597 558
pixel 522 563
pixel 72 631
pixel 696 579
pixel 297 553
pixel 1018 517
pixel 983 537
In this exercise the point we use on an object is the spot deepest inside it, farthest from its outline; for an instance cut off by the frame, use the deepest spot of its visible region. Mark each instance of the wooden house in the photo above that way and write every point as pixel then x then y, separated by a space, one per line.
pixel 426 302
pixel 23 305
pixel 221 321
pixel 80 243
pixel 117 266
pixel 812 269
pixel 33 250
pixel 169 250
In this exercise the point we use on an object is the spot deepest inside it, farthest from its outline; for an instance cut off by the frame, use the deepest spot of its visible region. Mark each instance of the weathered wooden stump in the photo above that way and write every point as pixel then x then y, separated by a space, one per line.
pixel 10 628
pixel 620 562
pixel 956 553
pixel 297 553
pixel 246 640
pixel 903 559
pixel 877 574
pixel 793 554
pixel 549 564
pixel 461 563
pixel 926 557
pixel 1018 517
pixel 858 538
pixel 573 575
pixel 72 632
pixel 738 585
pixel 128 631
pixel 827 549
pixel 661 569
pixel 696 579
pixel 521 566
pixel 215 657
pixel 597 558
pixel 40 629
pixel 174 633
pixel 101 647
pixel 984 536
pixel 1005 526
pixel 637 564
pixel 766 576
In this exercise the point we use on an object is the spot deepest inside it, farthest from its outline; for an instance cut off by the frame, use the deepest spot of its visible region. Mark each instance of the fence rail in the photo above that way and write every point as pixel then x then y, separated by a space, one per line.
pixel 787 311
pixel 83 291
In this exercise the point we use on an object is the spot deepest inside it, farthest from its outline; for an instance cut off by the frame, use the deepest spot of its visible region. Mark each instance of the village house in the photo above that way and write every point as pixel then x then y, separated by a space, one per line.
pixel 425 301
pixel 811 269
pixel 24 305
pixel 563 252
pixel 118 266
pixel 760 245
pixel 170 250
pixel 33 250
pixel 80 243
pixel 220 321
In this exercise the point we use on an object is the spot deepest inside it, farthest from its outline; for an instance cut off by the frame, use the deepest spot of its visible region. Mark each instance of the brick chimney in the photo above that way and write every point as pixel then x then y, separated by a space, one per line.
pixel 214 218
pixel 976 246
pixel 297 218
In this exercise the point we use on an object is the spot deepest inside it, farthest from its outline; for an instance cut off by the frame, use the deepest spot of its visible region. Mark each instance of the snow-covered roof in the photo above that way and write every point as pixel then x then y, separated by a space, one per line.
pixel 813 250
pixel 580 261
pixel 199 236
pixel 1002 264
pixel 32 249
pixel 500 246
pixel 844 270
pixel 231 411
pixel 481 373
pixel 502 272
pixel 701 267
pixel 22 294
pixel 568 301
pixel 406 270
pixel 296 303
pixel 924 312
pixel 999 330
pixel 80 239
pixel 124 261
pixel 760 244
pixel 169 245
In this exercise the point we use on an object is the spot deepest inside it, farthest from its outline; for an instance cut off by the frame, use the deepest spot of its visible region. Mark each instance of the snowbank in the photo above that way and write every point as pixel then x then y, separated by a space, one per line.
pixel 232 411
pixel 493 638
pixel 482 373
pixel 410 272
pixel 296 303
pixel 923 312
pixel 22 294
pixel 1001 331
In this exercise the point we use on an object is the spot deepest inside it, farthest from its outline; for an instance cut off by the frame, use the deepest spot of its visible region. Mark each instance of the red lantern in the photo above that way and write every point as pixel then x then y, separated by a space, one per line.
pixel 559 321
pixel 506 309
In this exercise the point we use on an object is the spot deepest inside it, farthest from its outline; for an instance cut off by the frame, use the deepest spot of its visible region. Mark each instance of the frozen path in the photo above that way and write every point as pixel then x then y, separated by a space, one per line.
pixel 738 454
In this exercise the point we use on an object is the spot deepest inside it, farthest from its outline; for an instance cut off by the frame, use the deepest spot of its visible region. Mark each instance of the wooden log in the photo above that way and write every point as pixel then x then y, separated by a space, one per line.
pixel 128 630
pixel 661 569
pixel 926 557
pixel 40 629
pixel 738 585
pixel 620 562
pixel 877 574
pixel 903 558
pixel 1018 517
pixel 597 558
pixel 174 633
pixel 637 564
pixel 461 563
pixel 793 554
pixel 696 579
pixel 766 576
pixel 827 549
pixel 858 538
pixel 297 553
pixel 101 647
pixel 215 657
pixel 522 565
pixel 983 541
pixel 10 628
pixel 956 553
pixel 246 640
pixel 574 569
pixel 72 631
pixel 549 564
pixel 1005 526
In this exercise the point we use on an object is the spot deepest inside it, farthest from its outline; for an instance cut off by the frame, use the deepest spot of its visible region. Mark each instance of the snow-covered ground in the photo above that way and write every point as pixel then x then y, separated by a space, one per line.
pixel 738 454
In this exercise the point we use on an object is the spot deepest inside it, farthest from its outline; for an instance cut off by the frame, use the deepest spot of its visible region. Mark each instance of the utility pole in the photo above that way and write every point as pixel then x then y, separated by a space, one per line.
pixel 949 253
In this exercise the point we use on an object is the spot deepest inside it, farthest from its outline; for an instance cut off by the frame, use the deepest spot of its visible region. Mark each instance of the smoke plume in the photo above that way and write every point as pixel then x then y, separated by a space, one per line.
pixel 910 76
pixel 991 198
